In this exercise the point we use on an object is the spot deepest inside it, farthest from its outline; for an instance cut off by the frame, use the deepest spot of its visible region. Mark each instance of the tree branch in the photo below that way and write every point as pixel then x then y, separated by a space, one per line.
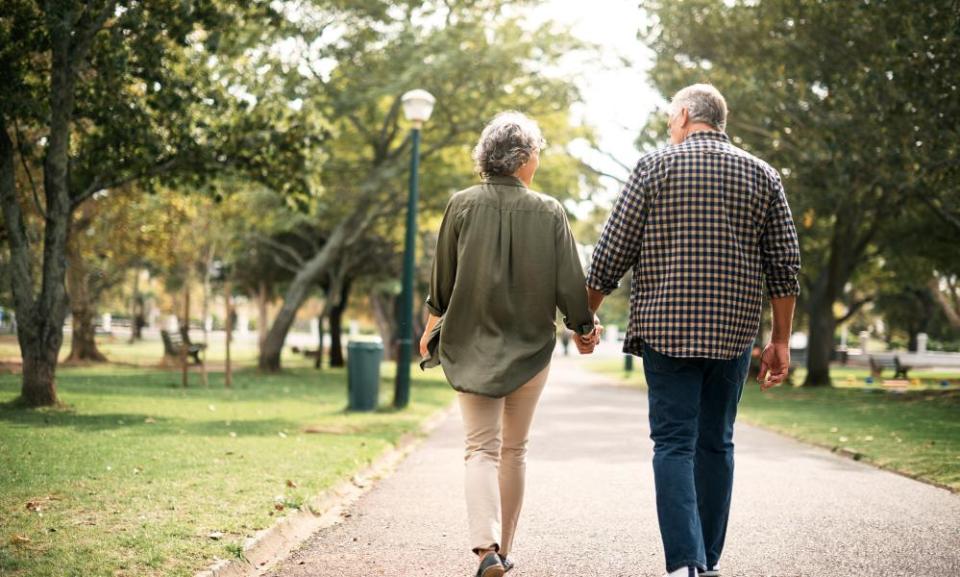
pixel 21 276
pixel 599 172
pixel 854 309
pixel 616 160
pixel 389 129
pixel 946 215
pixel 296 231
pixel 26 169
pixel 952 314
pixel 99 183
pixel 87 27
pixel 279 246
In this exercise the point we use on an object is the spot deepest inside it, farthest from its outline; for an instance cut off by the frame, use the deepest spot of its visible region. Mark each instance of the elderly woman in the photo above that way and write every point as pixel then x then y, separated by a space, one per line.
pixel 506 261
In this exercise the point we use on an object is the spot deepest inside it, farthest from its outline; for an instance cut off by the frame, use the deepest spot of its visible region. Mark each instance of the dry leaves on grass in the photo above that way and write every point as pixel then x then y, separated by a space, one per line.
pixel 37 505
pixel 331 429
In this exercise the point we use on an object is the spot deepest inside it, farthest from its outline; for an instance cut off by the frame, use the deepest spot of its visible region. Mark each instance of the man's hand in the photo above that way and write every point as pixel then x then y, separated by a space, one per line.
pixel 774 365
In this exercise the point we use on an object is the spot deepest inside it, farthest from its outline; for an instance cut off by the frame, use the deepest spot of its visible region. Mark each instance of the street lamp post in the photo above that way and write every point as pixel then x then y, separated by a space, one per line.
pixel 417 107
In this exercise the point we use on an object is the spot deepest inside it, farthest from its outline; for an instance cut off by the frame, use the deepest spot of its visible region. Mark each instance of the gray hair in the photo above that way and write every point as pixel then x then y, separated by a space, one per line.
pixel 703 102
pixel 507 143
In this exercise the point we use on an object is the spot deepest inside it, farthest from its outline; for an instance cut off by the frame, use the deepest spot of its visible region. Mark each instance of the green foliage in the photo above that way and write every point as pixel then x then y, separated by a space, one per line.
pixel 850 100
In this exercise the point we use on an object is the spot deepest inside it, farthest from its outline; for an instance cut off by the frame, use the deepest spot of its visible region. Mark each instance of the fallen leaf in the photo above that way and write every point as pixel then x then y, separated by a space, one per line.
pixel 149 420
pixel 19 540
pixel 216 535
pixel 278 506
pixel 291 484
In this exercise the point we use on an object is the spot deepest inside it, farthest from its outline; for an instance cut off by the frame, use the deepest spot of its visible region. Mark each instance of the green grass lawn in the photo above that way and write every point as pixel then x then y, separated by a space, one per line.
pixel 915 432
pixel 150 352
pixel 132 477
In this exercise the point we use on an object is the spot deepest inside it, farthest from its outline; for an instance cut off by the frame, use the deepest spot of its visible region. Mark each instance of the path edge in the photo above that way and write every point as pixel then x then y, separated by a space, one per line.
pixel 838 451
pixel 269 546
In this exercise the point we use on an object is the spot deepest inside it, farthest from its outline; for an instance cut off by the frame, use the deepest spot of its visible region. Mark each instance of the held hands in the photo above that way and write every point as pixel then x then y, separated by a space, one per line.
pixel 774 365
pixel 586 343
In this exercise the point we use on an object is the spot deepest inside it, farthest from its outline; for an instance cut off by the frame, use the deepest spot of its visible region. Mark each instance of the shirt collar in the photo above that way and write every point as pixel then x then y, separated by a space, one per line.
pixel 508 180
pixel 709 135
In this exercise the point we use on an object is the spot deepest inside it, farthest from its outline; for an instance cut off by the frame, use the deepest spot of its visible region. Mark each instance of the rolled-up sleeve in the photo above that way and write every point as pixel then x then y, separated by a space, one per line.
pixel 779 247
pixel 616 251
pixel 444 263
pixel 571 289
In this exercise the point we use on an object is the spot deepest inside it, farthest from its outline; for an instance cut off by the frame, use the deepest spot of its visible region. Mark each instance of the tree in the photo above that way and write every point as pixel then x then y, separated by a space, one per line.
pixel 475 69
pixel 847 99
pixel 123 92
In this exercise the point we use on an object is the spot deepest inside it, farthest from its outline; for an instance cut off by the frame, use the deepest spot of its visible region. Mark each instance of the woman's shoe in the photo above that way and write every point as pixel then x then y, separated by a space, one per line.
pixel 507 563
pixel 491 566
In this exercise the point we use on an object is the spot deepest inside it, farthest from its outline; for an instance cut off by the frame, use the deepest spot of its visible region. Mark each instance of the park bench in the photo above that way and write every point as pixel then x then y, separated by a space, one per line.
pixel 173 344
pixel 878 364
pixel 308 353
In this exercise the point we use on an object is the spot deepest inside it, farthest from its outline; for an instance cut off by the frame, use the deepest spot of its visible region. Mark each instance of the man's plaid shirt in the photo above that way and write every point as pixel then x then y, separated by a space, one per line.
pixel 700 223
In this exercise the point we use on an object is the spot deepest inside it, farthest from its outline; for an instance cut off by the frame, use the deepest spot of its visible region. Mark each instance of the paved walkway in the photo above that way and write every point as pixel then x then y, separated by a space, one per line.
pixel 797 510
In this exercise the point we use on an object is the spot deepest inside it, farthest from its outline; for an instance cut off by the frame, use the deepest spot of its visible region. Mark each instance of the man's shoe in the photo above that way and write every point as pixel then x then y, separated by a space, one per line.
pixel 490 566
pixel 684 572
pixel 711 572
pixel 507 563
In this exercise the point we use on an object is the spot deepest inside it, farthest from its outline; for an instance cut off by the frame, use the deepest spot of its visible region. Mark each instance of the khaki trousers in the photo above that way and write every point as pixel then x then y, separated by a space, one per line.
pixel 497 431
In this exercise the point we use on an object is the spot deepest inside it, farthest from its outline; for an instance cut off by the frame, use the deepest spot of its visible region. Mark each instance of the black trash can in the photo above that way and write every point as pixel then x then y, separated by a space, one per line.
pixel 363 375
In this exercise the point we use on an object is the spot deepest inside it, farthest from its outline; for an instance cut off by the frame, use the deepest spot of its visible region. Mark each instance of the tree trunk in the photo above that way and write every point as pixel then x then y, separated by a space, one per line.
pixel 820 343
pixel 318 360
pixel 185 331
pixel 83 343
pixel 297 293
pixel 39 370
pixel 336 325
pixel 263 299
pixel 136 309
pixel 272 348
pixel 384 313
pixel 40 316
pixel 950 310
pixel 336 341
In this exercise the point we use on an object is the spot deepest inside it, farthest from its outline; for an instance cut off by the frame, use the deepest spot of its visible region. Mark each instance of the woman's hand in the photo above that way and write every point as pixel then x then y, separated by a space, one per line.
pixel 424 341
pixel 586 343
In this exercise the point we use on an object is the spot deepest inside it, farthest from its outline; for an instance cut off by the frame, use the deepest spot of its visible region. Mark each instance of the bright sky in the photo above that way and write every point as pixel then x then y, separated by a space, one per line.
pixel 617 99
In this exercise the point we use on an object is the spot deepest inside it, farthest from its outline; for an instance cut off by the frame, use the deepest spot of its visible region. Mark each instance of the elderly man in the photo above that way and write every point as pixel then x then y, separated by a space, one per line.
pixel 701 223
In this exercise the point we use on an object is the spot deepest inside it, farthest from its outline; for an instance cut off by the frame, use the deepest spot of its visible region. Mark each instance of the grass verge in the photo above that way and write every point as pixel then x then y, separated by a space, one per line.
pixel 138 476
pixel 915 432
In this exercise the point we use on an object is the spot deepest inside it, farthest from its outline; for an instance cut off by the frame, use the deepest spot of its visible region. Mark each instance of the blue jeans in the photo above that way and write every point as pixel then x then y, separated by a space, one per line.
pixel 693 405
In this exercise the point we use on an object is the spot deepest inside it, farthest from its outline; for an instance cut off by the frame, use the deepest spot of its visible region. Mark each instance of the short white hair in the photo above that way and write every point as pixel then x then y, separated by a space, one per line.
pixel 703 102
pixel 507 143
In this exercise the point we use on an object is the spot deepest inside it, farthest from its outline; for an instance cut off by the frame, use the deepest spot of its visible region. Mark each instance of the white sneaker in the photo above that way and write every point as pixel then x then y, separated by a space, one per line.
pixel 711 572
pixel 683 572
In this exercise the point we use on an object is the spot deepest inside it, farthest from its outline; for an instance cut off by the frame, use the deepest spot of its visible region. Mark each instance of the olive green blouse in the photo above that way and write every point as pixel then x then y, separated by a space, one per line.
pixel 506 260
